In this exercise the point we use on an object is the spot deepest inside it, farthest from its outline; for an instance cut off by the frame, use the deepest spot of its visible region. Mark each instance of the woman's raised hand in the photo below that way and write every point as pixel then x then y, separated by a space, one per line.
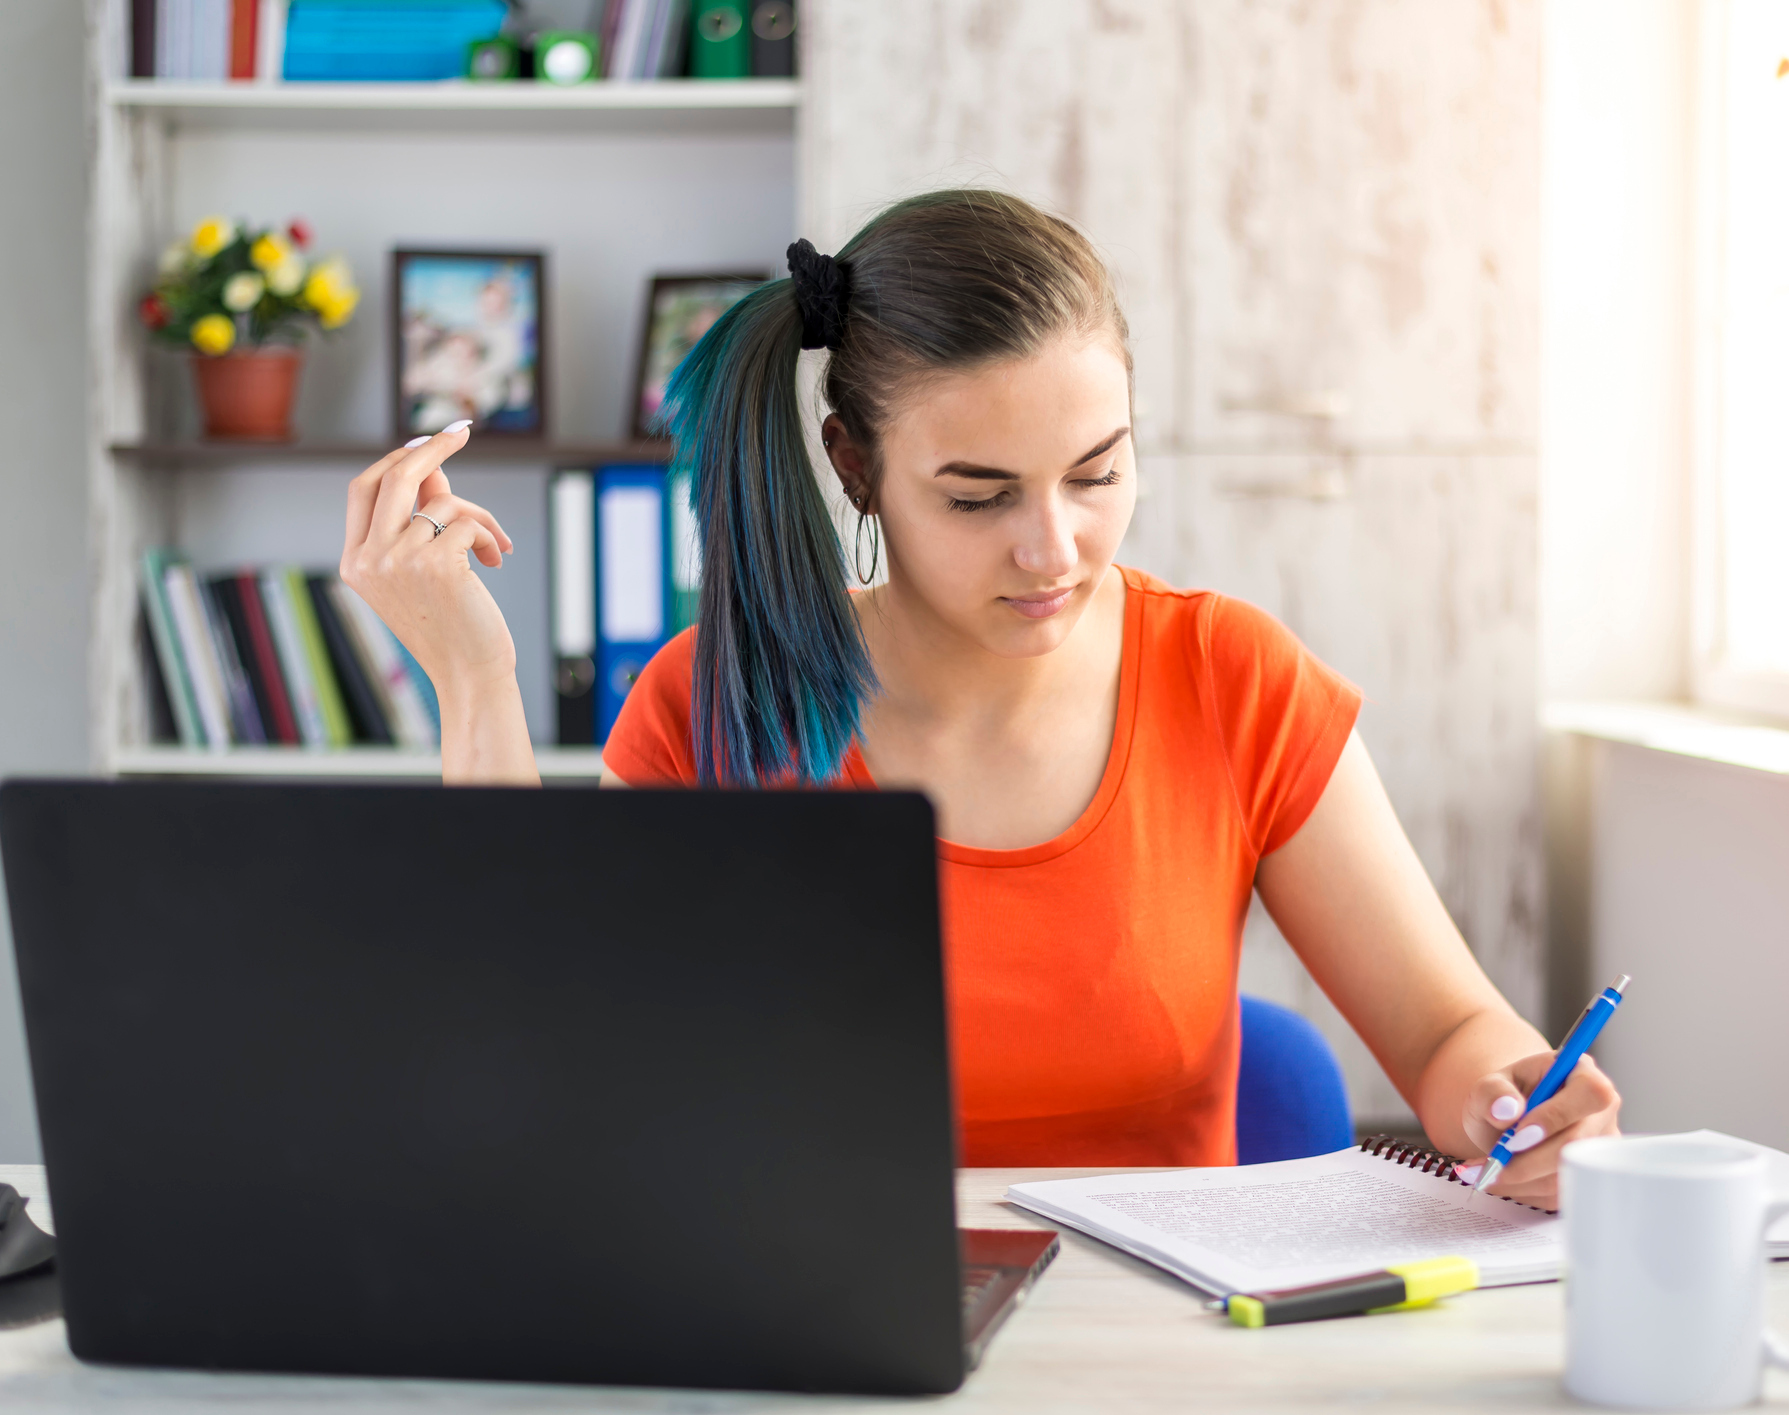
pixel 1587 1104
pixel 421 584
pixel 419 580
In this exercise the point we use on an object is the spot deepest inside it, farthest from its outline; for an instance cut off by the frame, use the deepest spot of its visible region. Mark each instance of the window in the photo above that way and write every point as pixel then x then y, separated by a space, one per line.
pixel 1741 619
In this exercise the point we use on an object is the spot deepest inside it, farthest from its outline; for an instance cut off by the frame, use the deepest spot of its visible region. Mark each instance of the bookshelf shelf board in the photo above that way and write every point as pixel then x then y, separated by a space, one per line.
pixel 480 451
pixel 353 763
pixel 663 105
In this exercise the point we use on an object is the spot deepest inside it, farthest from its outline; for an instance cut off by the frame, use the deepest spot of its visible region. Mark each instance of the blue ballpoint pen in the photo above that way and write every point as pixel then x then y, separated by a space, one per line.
pixel 1577 1041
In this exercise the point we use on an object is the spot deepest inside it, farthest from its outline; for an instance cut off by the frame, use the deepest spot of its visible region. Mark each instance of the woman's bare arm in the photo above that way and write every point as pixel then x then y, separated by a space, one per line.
pixel 1354 901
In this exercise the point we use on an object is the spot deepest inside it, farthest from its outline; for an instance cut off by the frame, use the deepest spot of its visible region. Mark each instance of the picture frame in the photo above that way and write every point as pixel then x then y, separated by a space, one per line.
pixel 679 311
pixel 469 340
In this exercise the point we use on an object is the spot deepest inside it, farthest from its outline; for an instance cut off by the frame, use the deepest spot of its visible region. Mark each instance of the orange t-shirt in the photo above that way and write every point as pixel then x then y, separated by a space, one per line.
pixel 1092 978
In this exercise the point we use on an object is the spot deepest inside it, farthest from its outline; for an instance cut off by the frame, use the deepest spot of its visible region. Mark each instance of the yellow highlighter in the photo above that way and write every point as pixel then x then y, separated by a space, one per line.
pixel 1389 1290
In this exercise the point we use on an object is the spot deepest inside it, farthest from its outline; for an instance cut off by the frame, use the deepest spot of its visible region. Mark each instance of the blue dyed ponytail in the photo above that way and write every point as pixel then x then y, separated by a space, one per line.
pixel 946 281
pixel 780 665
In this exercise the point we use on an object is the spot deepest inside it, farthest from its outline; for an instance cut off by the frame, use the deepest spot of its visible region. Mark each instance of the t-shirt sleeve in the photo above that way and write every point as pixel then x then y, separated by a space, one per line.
pixel 1284 715
pixel 650 742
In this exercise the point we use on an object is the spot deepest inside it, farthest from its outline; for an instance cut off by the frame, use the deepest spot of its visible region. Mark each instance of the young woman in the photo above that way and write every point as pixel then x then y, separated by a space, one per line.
pixel 1116 764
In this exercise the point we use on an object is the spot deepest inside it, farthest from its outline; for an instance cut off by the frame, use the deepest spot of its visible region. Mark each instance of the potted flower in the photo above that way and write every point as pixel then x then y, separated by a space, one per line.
pixel 242 299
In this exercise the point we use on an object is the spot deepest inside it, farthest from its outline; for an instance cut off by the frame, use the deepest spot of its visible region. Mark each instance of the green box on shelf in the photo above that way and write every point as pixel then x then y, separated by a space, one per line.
pixel 566 57
pixel 720 41
pixel 493 60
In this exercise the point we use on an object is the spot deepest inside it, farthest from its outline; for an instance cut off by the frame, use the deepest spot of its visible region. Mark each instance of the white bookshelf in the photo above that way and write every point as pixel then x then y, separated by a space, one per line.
pixel 571 764
pixel 616 181
pixel 665 105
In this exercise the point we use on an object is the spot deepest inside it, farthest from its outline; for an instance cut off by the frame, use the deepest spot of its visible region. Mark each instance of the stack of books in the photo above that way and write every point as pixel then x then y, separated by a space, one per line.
pixel 644 39
pixel 277 657
pixel 195 39
pixel 308 39
pixel 399 40
pixel 705 39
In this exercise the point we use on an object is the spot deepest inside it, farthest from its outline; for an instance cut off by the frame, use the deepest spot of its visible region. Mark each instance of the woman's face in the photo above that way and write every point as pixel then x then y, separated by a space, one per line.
pixel 1005 492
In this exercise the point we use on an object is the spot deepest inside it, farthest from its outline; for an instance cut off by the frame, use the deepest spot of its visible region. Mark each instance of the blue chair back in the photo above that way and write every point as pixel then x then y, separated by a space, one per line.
pixel 1290 1099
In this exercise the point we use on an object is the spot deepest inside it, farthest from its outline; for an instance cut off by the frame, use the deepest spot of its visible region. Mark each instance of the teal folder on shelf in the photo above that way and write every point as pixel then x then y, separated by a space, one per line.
pixel 683 552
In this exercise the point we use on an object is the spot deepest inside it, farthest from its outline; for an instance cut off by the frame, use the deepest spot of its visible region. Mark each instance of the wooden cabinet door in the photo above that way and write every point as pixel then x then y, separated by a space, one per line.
pixel 1361 242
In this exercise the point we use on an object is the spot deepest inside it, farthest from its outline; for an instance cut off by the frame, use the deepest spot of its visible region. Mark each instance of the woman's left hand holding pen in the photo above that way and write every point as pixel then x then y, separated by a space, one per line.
pixel 1587 1104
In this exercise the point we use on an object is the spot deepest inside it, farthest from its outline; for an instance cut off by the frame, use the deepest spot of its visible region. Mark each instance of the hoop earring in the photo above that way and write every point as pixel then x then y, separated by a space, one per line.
pixel 875 547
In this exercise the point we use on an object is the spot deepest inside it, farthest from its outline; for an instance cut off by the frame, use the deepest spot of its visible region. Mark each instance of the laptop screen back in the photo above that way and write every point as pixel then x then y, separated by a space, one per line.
pixel 634 1087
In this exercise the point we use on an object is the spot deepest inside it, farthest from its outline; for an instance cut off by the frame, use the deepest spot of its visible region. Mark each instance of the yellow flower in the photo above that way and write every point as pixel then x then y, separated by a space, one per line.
pixel 270 251
pixel 242 290
pixel 211 235
pixel 327 282
pixel 337 311
pixel 286 277
pixel 213 334
pixel 329 290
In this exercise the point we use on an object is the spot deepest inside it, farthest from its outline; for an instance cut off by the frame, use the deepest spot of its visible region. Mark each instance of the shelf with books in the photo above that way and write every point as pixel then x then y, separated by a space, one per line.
pixel 617 181
pixel 517 451
pixel 569 764
pixel 275 657
pixel 667 105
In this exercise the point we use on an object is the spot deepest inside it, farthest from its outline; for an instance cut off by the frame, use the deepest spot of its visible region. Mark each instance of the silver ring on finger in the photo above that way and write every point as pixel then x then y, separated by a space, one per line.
pixel 439 526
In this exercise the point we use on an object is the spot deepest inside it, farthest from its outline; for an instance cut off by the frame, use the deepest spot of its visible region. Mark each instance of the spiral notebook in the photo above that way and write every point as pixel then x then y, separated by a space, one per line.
pixel 1255 1228
pixel 1258 1227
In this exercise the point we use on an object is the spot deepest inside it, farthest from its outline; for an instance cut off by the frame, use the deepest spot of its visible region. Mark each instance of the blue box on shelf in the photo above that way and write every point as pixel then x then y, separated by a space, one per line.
pixel 372 40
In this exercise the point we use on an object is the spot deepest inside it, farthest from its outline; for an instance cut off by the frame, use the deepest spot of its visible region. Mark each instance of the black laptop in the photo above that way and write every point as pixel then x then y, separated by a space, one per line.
pixel 624 1087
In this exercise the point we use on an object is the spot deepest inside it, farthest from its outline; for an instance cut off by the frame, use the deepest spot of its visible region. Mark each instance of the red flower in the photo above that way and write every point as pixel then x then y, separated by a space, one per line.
pixel 153 312
pixel 300 232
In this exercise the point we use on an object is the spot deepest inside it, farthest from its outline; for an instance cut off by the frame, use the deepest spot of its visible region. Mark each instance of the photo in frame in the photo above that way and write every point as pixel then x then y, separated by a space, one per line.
pixel 469 341
pixel 679 310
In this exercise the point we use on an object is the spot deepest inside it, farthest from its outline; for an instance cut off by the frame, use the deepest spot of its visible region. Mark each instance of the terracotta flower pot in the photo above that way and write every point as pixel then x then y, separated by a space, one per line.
pixel 247 396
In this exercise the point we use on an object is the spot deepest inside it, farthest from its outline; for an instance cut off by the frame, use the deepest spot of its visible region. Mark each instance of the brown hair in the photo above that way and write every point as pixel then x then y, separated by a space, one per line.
pixel 951 280
pixel 936 284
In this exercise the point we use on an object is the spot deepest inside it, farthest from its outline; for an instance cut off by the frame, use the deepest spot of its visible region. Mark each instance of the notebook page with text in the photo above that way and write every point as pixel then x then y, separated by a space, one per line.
pixel 1256 1228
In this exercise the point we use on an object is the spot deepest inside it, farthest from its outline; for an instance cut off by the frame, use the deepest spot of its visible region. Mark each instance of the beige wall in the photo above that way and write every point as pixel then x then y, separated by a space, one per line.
pixel 1324 217
pixel 43 572
pixel 1687 892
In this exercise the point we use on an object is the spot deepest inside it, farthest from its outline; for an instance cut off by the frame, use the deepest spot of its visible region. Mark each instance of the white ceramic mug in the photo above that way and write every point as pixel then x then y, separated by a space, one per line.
pixel 1665 1272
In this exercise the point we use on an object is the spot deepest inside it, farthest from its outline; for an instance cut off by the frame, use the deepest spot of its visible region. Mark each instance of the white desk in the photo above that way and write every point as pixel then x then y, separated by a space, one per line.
pixel 1102 1332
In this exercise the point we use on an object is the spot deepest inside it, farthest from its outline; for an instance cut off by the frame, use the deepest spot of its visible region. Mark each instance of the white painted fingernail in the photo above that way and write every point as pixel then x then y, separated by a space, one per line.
pixel 460 426
pixel 417 441
pixel 1505 1108
pixel 1468 1173
pixel 1526 1139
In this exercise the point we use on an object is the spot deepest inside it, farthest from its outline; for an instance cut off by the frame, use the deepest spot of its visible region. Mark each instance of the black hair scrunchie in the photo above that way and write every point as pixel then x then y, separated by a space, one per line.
pixel 822 289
